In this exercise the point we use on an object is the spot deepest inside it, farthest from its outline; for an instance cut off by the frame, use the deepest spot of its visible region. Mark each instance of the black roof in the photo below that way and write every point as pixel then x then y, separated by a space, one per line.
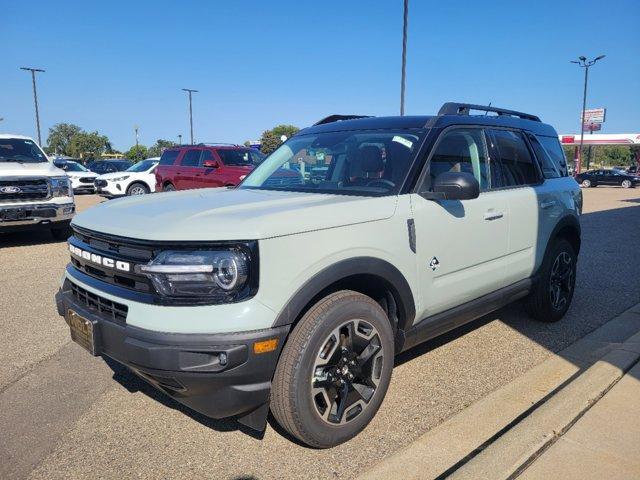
pixel 450 114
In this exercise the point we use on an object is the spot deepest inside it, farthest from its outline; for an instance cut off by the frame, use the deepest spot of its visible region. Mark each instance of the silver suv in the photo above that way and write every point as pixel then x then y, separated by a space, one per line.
pixel 296 298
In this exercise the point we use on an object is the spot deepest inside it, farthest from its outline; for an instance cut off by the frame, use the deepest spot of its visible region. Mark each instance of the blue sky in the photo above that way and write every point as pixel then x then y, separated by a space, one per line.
pixel 112 65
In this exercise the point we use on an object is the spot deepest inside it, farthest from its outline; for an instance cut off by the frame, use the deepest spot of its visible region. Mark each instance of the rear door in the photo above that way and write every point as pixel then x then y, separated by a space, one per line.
pixel 460 245
pixel 189 170
pixel 531 203
pixel 167 168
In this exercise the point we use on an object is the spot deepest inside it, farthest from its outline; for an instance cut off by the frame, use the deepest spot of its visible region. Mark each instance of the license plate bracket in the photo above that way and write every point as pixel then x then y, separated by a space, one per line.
pixel 13 214
pixel 83 331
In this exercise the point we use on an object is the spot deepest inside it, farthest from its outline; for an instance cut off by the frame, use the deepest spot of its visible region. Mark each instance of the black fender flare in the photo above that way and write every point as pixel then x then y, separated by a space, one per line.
pixel 343 269
pixel 568 221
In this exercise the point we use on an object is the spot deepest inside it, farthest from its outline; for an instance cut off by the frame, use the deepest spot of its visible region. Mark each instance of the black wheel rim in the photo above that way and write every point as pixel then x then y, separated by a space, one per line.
pixel 346 372
pixel 561 280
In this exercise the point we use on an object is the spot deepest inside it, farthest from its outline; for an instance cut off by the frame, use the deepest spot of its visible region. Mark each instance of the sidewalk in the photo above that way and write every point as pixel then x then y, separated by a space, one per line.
pixel 604 443
pixel 576 415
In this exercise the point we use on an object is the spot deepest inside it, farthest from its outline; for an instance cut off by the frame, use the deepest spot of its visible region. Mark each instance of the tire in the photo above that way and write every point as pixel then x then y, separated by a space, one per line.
pixel 297 406
pixel 62 233
pixel 586 183
pixel 169 188
pixel 137 188
pixel 626 184
pixel 553 291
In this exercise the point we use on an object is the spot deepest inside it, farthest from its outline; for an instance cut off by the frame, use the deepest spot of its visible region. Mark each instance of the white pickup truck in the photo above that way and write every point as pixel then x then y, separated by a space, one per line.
pixel 34 194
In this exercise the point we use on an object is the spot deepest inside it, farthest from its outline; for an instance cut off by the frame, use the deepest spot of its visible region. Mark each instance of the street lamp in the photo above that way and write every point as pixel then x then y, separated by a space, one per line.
pixel 35 97
pixel 190 91
pixel 584 63
pixel 135 127
pixel 179 139
pixel 404 55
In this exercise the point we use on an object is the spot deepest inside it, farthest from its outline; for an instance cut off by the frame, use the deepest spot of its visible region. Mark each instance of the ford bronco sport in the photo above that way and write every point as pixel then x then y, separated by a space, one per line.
pixel 34 193
pixel 296 298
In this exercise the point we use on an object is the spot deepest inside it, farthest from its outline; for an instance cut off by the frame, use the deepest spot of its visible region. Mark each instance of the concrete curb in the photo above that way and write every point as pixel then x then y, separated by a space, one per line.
pixel 496 436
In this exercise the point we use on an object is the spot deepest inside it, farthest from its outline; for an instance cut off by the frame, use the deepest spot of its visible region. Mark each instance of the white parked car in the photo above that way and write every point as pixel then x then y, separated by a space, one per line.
pixel 139 179
pixel 81 178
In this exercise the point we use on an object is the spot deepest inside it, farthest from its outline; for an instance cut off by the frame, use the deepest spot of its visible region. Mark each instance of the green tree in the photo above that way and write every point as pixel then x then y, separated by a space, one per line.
pixel 271 139
pixel 60 137
pixel 157 148
pixel 88 145
pixel 135 154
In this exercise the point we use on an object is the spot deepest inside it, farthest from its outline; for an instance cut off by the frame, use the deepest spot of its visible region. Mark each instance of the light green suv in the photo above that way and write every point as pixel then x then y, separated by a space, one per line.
pixel 293 292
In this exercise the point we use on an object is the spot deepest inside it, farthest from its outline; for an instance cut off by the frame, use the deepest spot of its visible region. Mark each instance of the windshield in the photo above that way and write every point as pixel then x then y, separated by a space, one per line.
pixel 354 162
pixel 20 150
pixel 240 157
pixel 142 166
pixel 73 167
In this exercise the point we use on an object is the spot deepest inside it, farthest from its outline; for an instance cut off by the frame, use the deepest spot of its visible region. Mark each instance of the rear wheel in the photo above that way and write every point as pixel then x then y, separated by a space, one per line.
pixel 552 294
pixel 137 189
pixel 334 370
pixel 626 184
pixel 586 183
pixel 169 188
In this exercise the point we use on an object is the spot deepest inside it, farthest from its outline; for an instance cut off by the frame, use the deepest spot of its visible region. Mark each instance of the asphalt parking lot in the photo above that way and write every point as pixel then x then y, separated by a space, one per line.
pixel 67 415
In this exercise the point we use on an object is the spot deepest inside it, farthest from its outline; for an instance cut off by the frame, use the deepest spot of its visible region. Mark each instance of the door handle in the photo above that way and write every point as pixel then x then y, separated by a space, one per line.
pixel 490 215
pixel 548 204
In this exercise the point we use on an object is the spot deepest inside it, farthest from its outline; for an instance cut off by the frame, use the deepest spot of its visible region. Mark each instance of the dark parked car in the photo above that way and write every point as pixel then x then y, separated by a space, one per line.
pixel 593 178
pixel 108 166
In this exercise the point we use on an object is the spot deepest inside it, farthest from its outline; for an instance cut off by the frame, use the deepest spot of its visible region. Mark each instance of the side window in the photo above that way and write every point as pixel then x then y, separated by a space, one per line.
pixel 206 155
pixel 191 158
pixel 517 165
pixel 549 168
pixel 554 149
pixel 169 157
pixel 461 150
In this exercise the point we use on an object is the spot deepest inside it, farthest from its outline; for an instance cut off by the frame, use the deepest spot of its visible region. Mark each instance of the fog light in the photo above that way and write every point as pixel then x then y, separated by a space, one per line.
pixel 265 346
pixel 67 210
pixel 222 358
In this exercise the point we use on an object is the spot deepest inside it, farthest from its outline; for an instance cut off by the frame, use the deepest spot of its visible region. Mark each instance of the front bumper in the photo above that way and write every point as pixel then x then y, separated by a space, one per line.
pixel 14 218
pixel 189 367
pixel 110 189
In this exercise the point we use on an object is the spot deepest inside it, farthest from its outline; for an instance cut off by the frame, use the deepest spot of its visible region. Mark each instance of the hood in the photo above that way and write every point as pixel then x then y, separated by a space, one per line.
pixel 112 175
pixel 82 174
pixel 42 169
pixel 236 214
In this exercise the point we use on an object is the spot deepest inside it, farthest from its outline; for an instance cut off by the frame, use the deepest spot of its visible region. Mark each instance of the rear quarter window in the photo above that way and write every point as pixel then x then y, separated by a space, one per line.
pixel 554 149
pixel 168 157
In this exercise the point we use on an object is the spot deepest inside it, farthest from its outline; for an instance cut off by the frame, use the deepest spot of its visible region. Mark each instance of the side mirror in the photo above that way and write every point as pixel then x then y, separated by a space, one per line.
pixel 454 186
pixel 210 164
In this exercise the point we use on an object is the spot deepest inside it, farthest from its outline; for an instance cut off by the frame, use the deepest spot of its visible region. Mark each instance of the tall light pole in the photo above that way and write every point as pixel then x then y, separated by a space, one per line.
pixel 179 139
pixel 584 63
pixel 35 97
pixel 135 127
pixel 404 55
pixel 190 91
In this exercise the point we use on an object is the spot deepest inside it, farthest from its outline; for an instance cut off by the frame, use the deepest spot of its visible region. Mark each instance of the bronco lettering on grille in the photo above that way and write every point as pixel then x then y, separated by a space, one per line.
pixel 99 259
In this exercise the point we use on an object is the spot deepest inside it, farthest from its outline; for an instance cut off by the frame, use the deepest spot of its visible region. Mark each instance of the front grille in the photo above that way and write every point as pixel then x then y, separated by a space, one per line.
pixel 24 189
pixel 105 308
pixel 116 250
pixel 86 180
pixel 101 183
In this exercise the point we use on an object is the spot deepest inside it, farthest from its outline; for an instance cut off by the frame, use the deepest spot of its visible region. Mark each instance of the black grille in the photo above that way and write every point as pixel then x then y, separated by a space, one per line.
pixel 24 189
pixel 101 183
pixel 107 309
pixel 86 180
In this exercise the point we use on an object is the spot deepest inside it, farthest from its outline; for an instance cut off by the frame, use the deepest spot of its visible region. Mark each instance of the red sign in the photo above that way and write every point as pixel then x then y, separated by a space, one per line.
pixel 591 127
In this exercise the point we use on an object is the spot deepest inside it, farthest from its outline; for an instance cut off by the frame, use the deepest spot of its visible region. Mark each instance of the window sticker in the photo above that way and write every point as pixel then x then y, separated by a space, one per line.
pixel 402 141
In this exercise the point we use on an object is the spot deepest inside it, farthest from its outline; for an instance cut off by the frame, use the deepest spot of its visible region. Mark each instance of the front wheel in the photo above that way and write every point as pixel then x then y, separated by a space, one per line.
pixel 334 370
pixel 552 293
pixel 137 189
pixel 626 184
pixel 586 183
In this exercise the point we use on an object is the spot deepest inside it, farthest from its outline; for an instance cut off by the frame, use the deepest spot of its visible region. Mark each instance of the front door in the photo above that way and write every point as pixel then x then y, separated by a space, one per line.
pixel 460 245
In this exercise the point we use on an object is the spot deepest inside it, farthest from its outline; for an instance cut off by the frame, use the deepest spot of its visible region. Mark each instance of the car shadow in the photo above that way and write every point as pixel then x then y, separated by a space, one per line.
pixel 27 238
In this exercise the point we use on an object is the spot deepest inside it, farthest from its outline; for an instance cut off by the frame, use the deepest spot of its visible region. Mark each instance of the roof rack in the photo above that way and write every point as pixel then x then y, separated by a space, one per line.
pixel 453 108
pixel 219 143
pixel 339 118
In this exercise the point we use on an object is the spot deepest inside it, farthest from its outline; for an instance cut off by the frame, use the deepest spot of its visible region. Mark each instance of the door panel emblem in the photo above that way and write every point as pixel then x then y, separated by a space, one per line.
pixel 434 264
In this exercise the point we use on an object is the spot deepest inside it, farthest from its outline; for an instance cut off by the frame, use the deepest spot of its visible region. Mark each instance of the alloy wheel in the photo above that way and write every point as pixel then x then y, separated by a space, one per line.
pixel 137 190
pixel 561 280
pixel 346 372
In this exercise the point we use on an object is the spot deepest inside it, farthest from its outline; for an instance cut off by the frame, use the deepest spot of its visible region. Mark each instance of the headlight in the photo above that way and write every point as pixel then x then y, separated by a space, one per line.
pixel 209 275
pixel 119 179
pixel 60 186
